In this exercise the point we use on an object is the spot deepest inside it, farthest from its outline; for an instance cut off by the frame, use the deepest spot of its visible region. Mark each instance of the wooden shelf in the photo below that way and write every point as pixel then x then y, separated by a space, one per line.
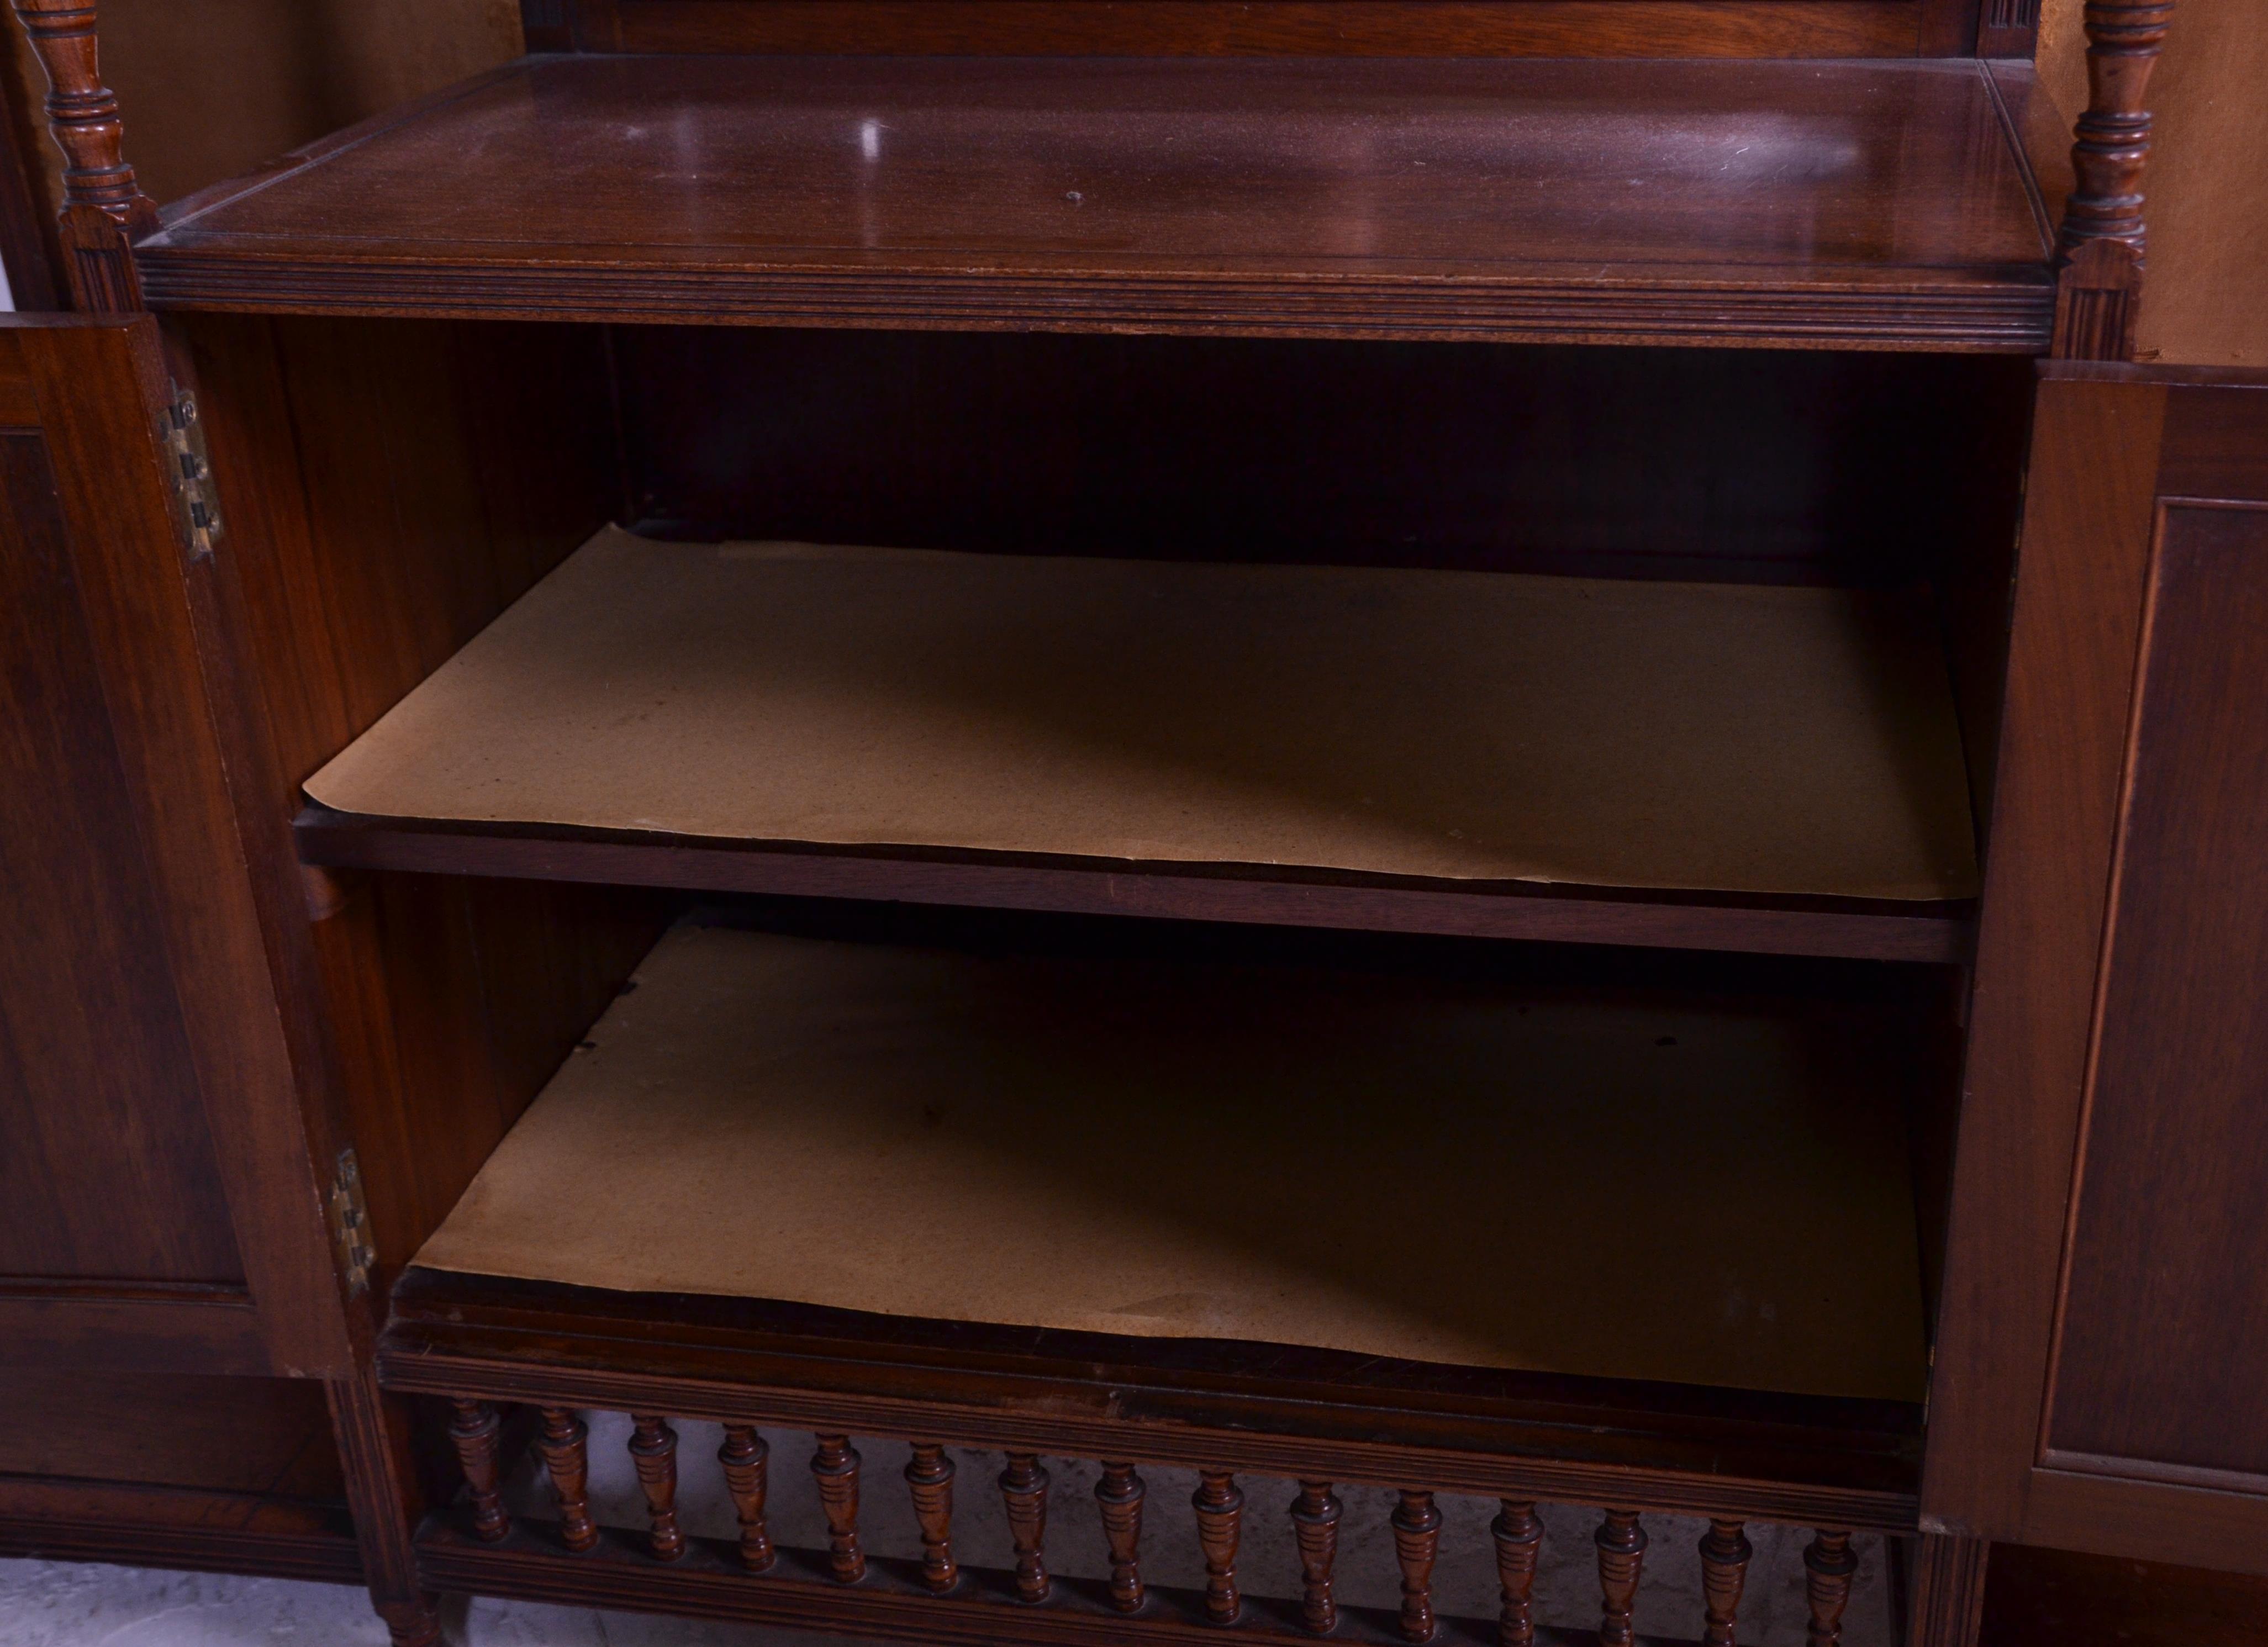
pixel 1855 204
pixel 1691 765
pixel 1068 1142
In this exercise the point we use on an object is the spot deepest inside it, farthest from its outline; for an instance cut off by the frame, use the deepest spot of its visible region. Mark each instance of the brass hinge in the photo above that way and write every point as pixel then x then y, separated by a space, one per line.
pixel 350 1220
pixel 192 473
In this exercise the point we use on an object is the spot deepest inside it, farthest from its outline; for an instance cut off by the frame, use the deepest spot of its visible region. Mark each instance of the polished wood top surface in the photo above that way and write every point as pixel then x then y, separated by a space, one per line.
pixel 1859 203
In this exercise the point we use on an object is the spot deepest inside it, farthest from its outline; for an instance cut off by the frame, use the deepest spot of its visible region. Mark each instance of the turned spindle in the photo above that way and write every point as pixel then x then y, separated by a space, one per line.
pixel 474 1431
pixel 1621 1556
pixel 1024 1490
pixel 654 1451
pixel 564 1445
pixel 1119 1493
pixel 835 1467
pixel 1417 1546
pixel 746 1459
pixel 104 207
pixel 1725 1552
pixel 1220 1518
pixel 929 1478
pixel 2103 241
pixel 1316 1525
pixel 1519 1541
pixel 1830 1563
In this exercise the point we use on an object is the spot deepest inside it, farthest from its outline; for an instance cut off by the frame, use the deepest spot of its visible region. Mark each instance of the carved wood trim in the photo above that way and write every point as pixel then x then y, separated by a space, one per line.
pixel 1518 1535
pixel 1120 1492
pixel 653 1453
pixel 565 1450
pixel 474 1431
pixel 1830 1565
pixel 1024 1492
pixel 746 1457
pixel 929 1479
pixel 1725 1552
pixel 1417 1546
pixel 2104 244
pixel 1622 1542
pixel 1315 1523
pixel 1220 1505
pixel 104 207
pixel 834 1467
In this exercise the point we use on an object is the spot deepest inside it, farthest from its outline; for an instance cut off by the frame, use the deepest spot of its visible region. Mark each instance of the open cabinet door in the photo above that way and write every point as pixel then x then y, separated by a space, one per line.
pixel 2102 1372
pixel 159 1203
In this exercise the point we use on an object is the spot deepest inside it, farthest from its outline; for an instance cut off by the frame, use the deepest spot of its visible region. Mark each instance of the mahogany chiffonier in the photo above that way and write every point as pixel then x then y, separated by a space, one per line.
pixel 1356 752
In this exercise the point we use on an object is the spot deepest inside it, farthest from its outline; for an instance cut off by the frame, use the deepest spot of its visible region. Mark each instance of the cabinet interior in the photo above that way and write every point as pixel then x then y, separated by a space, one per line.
pixel 1567 1144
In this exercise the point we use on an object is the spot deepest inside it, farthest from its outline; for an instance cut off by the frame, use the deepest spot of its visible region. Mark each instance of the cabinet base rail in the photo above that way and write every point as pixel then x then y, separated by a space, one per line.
pixel 477 1545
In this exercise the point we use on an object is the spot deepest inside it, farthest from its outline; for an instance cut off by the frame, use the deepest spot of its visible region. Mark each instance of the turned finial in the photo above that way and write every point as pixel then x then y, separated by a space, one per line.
pixel 2103 244
pixel 104 207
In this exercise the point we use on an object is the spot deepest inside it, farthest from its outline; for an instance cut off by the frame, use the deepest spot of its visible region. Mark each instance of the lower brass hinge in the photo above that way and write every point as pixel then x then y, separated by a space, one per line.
pixel 350 1220
pixel 192 473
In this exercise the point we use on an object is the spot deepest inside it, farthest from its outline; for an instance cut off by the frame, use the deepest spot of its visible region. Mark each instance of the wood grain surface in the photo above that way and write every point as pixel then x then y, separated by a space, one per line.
pixel 1848 204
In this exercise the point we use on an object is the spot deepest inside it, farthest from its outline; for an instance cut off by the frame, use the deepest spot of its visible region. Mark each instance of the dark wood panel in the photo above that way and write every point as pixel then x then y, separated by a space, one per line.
pixel 2046 1597
pixel 2156 1521
pixel 2077 617
pixel 123 1324
pixel 267 1437
pixel 2217 440
pixel 183 1527
pixel 1715 464
pixel 1852 205
pixel 109 1170
pixel 1430 28
pixel 2164 1327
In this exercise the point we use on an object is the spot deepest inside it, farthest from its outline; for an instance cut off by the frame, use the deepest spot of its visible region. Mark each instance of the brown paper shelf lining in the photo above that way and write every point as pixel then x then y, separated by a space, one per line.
pixel 1475 1173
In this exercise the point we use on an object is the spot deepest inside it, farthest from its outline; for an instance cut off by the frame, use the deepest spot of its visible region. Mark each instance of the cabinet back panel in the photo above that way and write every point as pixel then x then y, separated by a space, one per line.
pixel 1717 466
pixel 2165 1328
pixel 106 1165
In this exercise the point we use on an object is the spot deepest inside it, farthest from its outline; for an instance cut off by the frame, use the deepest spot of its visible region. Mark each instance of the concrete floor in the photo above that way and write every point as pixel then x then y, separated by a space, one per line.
pixel 53 1604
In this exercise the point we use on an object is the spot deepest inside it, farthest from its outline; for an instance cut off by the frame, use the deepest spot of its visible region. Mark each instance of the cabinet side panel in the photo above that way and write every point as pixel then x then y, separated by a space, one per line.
pixel 2165 1325
pixel 391 487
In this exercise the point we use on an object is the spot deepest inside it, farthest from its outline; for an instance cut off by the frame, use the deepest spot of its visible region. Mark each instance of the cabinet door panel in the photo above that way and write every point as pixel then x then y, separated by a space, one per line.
pixel 2159 1372
pixel 158 1203
pixel 2098 1383
pixel 108 1173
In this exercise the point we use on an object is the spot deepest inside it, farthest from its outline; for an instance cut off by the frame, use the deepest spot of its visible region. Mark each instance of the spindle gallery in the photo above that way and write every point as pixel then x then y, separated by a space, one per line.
pixel 838 1585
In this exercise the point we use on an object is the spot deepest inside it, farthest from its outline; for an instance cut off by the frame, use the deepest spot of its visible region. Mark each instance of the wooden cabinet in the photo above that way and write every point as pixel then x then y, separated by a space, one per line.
pixel 2096 1382
pixel 1326 748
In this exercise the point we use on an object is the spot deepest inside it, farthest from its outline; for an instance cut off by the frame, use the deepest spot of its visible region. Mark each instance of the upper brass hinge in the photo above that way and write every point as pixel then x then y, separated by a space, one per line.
pixel 192 473
pixel 349 1221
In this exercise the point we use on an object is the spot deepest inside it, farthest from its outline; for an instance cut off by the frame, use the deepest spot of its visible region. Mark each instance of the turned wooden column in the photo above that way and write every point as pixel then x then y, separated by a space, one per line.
pixel 104 207
pixel 474 1431
pixel 929 1479
pixel 565 1446
pixel 1519 1537
pixel 1119 1494
pixel 2101 248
